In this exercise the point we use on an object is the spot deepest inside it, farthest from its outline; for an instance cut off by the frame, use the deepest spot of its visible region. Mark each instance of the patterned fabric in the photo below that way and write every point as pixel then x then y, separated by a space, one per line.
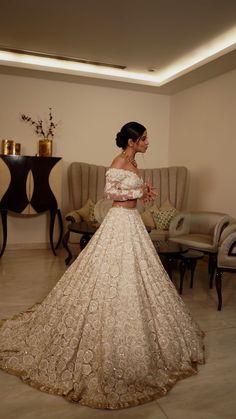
pixel 87 211
pixel 113 332
pixel 91 216
pixel 122 185
pixel 162 216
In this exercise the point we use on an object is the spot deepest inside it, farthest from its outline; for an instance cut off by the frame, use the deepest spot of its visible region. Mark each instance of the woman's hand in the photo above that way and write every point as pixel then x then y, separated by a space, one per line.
pixel 149 194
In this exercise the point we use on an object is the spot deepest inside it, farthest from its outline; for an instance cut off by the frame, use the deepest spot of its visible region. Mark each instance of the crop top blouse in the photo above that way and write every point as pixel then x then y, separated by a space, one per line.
pixel 122 185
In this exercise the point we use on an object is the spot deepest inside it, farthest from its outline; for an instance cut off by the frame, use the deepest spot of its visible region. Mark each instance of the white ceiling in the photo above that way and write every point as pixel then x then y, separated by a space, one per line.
pixel 138 34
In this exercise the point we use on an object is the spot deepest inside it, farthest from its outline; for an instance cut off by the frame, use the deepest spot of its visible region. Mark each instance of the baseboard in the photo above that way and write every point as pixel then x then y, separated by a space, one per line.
pixel 20 246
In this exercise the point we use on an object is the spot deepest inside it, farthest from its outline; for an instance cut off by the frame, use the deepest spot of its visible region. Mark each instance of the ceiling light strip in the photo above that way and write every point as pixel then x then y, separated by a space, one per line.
pixel 62 58
pixel 72 67
pixel 208 52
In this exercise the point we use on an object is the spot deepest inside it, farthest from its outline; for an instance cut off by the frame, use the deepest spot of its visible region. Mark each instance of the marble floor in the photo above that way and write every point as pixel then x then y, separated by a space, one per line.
pixel 26 276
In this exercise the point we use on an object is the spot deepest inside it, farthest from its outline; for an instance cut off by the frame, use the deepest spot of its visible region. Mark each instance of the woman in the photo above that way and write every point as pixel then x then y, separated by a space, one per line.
pixel 113 332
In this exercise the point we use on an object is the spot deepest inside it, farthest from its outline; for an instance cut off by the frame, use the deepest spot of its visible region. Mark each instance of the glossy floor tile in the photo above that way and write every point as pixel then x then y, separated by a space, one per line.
pixel 26 277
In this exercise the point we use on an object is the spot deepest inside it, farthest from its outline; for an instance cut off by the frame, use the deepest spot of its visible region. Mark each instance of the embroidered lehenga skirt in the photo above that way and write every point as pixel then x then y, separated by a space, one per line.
pixel 113 332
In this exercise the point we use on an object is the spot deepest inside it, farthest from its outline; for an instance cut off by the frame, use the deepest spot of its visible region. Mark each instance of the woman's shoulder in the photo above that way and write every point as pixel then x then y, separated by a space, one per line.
pixel 118 163
pixel 117 168
pixel 120 169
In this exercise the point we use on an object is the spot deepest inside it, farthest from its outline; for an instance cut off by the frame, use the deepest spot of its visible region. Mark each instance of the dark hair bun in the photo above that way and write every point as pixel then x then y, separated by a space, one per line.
pixel 120 141
pixel 131 130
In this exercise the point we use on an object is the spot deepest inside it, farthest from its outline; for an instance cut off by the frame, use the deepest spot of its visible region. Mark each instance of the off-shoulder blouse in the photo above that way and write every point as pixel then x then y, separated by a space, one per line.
pixel 122 185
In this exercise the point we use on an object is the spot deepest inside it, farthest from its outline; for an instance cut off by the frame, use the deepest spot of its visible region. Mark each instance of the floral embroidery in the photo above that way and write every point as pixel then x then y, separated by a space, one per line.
pixel 122 185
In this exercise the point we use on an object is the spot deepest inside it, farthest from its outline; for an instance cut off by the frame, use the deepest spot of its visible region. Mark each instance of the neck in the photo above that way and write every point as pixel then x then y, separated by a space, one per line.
pixel 129 152
pixel 129 155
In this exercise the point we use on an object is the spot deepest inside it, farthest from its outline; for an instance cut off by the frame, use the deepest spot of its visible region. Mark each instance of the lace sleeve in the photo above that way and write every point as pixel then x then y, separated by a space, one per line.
pixel 121 186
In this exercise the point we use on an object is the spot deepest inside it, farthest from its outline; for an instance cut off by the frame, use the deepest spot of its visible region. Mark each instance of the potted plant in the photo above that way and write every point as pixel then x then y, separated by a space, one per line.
pixel 45 129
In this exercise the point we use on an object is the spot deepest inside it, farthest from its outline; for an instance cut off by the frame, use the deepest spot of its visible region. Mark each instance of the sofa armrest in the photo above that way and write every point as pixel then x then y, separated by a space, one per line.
pixel 227 247
pixel 73 217
pixel 231 228
pixel 219 228
pixel 180 224
pixel 227 252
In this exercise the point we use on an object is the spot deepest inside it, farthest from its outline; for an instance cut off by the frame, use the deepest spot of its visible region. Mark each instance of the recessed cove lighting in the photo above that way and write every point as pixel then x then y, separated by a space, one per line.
pixel 66 66
pixel 204 54
pixel 58 57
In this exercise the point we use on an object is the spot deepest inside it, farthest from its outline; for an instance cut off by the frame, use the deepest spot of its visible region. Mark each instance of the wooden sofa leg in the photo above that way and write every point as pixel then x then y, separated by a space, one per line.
pixel 218 281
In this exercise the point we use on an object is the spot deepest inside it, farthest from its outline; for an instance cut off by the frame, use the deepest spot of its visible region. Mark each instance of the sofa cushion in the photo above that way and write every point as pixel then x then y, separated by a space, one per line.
pixel 147 218
pixel 87 211
pixel 162 216
pixel 156 235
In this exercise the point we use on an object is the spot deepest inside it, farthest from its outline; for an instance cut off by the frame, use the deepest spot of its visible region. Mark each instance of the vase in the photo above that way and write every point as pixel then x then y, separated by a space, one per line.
pixel 8 146
pixel 45 148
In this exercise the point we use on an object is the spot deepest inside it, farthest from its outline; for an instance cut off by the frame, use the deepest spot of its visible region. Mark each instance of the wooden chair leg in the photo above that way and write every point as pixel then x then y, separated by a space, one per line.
pixel 212 268
pixel 218 282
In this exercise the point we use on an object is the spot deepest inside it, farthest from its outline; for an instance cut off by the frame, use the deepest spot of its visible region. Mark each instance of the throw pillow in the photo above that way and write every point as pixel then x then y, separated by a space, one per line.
pixel 87 211
pixel 91 216
pixel 162 216
pixel 147 218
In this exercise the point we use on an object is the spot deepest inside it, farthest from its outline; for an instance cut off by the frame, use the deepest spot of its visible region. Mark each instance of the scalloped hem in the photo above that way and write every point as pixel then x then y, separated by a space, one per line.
pixel 173 379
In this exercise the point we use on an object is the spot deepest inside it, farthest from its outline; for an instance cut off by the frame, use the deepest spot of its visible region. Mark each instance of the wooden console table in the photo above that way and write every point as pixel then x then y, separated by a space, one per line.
pixel 30 185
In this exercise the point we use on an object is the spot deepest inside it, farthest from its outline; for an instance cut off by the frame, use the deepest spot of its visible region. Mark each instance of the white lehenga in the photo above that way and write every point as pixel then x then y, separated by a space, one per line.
pixel 113 332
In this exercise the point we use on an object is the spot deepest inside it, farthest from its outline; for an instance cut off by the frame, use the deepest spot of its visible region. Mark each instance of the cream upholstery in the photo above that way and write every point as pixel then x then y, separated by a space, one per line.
pixel 201 231
pixel 226 258
pixel 88 180
pixel 227 249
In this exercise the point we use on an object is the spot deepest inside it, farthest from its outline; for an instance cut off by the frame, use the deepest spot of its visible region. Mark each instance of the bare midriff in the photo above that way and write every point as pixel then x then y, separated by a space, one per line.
pixel 131 203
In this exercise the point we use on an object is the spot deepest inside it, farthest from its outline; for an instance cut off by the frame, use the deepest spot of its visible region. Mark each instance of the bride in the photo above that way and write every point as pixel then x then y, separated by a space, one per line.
pixel 113 332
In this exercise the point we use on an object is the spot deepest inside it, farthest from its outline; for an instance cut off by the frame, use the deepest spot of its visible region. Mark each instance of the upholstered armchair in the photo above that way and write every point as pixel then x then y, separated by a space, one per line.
pixel 200 231
pixel 226 258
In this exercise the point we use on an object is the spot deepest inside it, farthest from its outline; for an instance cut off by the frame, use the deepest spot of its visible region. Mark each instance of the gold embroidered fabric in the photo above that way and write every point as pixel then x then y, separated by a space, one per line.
pixel 113 332
pixel 122 185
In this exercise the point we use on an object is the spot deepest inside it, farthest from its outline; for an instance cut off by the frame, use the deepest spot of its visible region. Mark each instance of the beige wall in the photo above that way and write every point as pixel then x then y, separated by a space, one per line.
pixel 203 138
pixel 195 128
pixel 89 118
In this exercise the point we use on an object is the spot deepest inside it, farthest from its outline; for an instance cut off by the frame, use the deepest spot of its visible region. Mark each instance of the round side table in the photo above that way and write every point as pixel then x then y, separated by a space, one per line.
pixel 87 230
